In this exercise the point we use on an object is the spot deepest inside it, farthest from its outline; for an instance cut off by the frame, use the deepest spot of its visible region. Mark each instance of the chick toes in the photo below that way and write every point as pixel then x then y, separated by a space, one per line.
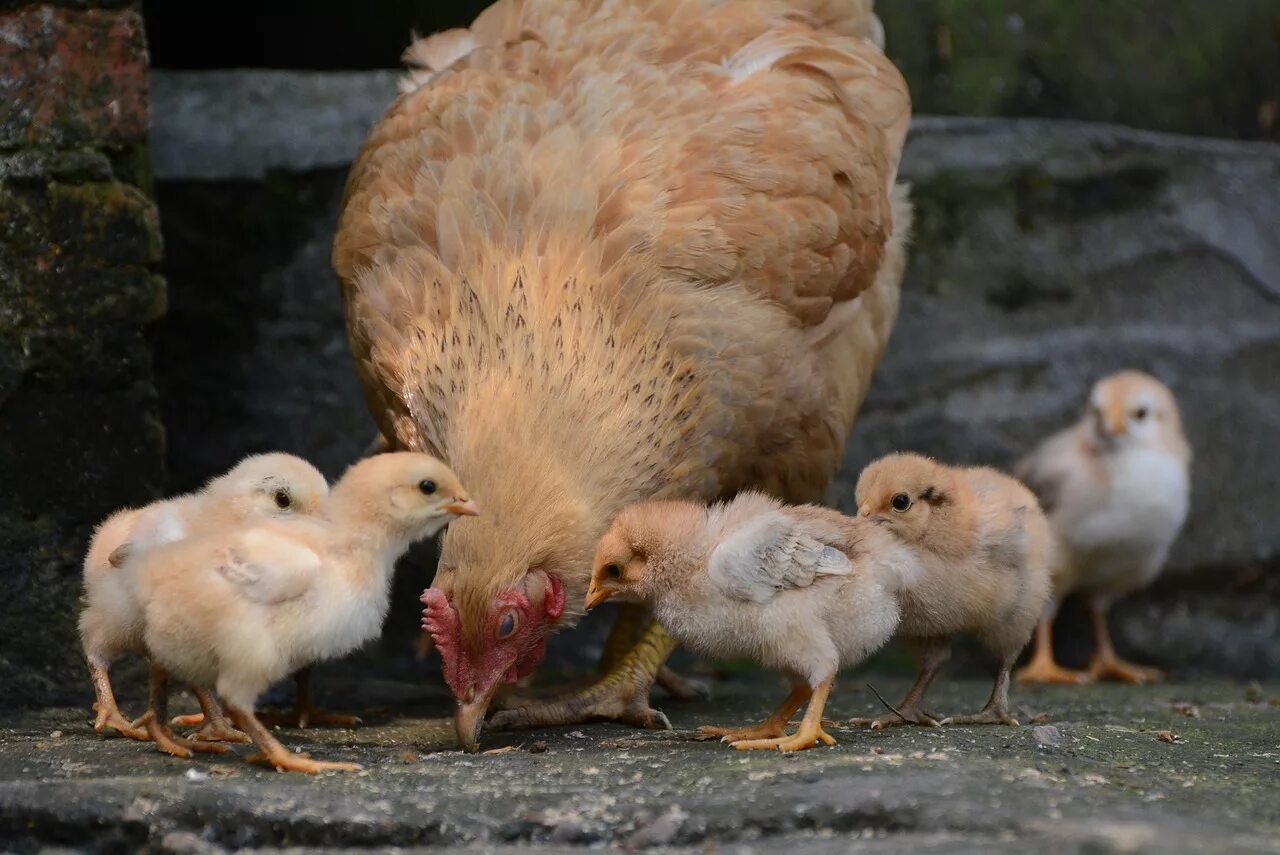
pixel 286 762
pixel 799 741
pixel 1117 669
pixel 895 719
pixel 188 720
pixel 1050 672
pixel 114 720
pixel 170 744
pixel 988 715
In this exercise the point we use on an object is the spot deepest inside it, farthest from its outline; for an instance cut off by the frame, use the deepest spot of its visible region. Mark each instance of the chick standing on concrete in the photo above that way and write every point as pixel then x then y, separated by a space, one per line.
pixel 239 609
pixel 263 485
pixel 804 590
pixel 983 551
pixel 1116 489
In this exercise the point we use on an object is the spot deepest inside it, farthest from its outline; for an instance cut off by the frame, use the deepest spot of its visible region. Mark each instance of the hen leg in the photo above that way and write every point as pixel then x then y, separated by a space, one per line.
pixel 274 754
pixel 625 633
pixel 304 711
pixel 108 713
pixel 772 727
pixel 216 728
pixel 997 709
pixel 620 695
pixel 810 732
pixel 1042 668
pixel 932 653
pixel 158 712
pixel 1106 664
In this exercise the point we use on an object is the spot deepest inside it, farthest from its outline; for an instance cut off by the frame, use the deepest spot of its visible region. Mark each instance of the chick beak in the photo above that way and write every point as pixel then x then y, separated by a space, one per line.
pixel 596 596
pixel 463 507
pixel 468 719
pixel 865 510
pixel 1115 421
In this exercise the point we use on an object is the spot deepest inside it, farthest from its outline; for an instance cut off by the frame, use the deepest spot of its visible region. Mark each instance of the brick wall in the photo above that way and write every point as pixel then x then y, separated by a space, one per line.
pixel 79 291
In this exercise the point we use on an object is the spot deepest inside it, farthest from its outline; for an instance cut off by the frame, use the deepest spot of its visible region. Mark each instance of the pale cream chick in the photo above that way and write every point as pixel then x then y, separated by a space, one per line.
pixel 1116 486
pixel 239 609
pixel 111 623
pixel 804 590
pixel 983 550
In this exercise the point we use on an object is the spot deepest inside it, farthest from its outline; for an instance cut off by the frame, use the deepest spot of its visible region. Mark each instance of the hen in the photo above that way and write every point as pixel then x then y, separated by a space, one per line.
pixel 604 252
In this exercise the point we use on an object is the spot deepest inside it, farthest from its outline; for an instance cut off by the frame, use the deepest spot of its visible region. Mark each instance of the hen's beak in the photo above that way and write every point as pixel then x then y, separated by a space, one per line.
pixel 468 719
pixel 463 507
pixel 596 596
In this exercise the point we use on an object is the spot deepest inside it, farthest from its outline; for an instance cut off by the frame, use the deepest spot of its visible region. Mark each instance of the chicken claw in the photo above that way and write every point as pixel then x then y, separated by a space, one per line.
pixel 1042 668
pixel 773 727
pixel 215 727
pixel 810 732
pixel 275 755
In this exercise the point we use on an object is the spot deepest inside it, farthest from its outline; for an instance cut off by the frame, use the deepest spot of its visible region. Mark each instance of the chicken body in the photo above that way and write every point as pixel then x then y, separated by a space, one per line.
pixel 983 551
pixel 241 608
pixel 1116 487
pixel 112 622
pixel 803 590
pixel 601 253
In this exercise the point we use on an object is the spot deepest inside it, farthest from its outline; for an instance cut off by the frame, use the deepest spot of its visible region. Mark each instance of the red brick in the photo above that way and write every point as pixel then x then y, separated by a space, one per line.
pixel 71 76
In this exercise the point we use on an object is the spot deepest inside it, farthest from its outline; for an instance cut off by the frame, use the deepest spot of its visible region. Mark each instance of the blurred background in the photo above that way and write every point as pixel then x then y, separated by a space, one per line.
pixel 1097 185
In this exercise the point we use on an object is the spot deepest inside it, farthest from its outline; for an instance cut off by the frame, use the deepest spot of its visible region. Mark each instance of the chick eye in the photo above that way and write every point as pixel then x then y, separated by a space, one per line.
pixel 283 500
pixel 900 502
pixel 427 486
pixel 613 571
pixel 507 626
pixel 1141 413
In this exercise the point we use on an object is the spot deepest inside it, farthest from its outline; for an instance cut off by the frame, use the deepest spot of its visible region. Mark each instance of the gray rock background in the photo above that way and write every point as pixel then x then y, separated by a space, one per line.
pixel 1046 254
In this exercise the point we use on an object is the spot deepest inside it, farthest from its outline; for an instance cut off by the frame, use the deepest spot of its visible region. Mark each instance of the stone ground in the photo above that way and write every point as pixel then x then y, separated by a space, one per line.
pixel 1093 777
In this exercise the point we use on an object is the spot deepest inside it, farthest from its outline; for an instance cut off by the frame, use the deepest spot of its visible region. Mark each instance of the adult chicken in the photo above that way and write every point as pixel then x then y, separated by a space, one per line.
pixel 600 252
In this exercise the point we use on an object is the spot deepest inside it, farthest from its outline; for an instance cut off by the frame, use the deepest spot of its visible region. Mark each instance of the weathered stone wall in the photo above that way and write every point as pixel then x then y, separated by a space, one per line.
pixel 79 249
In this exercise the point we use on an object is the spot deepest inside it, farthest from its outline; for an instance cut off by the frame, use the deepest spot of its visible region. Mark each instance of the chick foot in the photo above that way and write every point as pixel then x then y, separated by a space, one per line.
pixel 621 695
pixel 1114 668
pixel 216 728
pixel 275 755
pixel 168 742
pixel 987 715
pixel 109 715
pixel 121 725
pixel 904 715
pixel 773 727
pixel 1049 672
pixel 810 732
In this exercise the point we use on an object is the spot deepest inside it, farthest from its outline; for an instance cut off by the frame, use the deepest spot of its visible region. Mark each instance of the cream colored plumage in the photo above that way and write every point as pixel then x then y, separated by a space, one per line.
pixel 239 609
pixel 603 252
pixel 983 551
pixel 1116 487
pixel 111 622
pixel 803 590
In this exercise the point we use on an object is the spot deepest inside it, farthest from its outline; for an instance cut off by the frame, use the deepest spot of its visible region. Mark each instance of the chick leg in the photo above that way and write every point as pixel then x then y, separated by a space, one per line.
pixel 621 695
pixel 772 727
pixel 108 713
pixel 216 728
pixel 276 755
pixel 932 653
pixel 158 713
pixel 810 732
pixel 304 711
pixel 997 709
pixel 1042 668
pixel 1106 664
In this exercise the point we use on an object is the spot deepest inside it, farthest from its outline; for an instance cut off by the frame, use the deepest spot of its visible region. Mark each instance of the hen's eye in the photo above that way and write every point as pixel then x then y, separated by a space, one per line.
pixel 507 626
pixel 901 502
pixel 282 499
pixel 613 571
pixel 427 486
pixel 1141 413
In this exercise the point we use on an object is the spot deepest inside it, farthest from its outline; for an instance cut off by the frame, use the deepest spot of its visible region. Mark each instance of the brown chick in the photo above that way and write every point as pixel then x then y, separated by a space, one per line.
pixel 260 486
pixel 241 608
pixel 1116 486
pixel 982 551
pixel 804 590
pixel 601 253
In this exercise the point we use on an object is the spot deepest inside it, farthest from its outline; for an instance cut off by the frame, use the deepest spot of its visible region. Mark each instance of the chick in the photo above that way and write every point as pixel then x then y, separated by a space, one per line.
pixel 1116 488
pixel 803 590
pixel 982 550
pixel 238 609
pixel 263 485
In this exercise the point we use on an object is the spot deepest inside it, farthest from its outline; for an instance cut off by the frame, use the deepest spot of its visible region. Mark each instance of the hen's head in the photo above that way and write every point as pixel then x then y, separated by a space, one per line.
pixel 501 587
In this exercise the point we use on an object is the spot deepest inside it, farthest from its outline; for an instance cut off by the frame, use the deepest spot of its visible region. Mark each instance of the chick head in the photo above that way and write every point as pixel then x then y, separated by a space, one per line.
pixel 413 495
pixel 619 568
pixel 1132 409
pixel 905 492
pixel 270 485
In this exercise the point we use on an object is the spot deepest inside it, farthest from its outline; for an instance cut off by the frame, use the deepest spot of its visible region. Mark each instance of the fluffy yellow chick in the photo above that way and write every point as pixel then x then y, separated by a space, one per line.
pixel 804 590
pixel 264 485
pixel 1116 487
pixel 239 609
pixel 982 550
